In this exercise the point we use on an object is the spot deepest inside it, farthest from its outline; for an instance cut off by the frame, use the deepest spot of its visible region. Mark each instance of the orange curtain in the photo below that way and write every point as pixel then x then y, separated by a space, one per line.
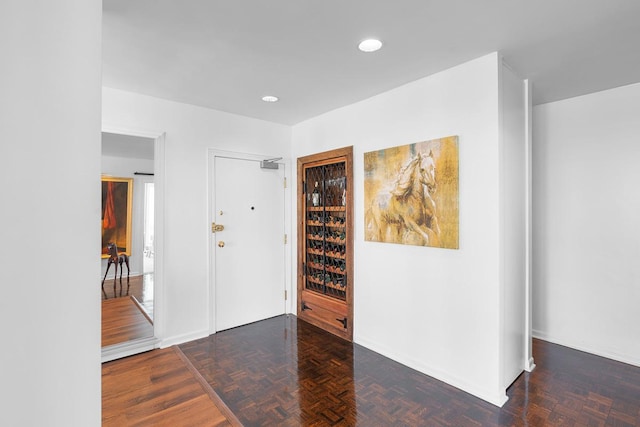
pixel 109 220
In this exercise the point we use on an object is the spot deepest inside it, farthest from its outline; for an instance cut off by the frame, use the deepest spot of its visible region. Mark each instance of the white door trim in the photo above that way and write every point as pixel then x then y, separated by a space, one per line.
pixel 286 163
pixel 529 364
pixel 144 344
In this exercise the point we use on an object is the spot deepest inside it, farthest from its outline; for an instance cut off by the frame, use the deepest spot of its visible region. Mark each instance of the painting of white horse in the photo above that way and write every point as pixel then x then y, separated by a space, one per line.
pixel 411 194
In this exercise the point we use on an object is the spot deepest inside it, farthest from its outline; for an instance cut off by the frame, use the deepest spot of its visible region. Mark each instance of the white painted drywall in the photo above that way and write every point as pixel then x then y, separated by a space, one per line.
pixel 190 131
pixel 513 197
pixel 124 167
pixel 586 205
pixel 50 202
pixel 435 310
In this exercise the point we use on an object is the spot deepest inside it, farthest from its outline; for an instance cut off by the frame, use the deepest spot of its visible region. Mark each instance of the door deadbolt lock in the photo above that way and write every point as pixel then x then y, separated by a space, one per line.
pixel 221 244
pixel 216 227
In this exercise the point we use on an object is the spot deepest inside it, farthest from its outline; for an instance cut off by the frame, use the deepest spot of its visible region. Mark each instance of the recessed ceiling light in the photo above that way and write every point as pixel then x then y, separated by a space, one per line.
pixel 370 45
pixel 270 98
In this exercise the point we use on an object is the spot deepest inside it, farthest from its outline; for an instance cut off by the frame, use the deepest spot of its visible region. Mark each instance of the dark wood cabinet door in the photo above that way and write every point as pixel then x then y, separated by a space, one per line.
pixel 325 241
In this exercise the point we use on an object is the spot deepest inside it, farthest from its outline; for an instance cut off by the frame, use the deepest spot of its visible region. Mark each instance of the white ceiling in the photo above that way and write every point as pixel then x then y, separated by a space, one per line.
pixel 227 54
pixel 116 145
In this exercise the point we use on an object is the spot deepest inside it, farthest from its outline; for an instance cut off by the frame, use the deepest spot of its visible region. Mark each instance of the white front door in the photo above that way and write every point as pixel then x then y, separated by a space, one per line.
pixel 250 251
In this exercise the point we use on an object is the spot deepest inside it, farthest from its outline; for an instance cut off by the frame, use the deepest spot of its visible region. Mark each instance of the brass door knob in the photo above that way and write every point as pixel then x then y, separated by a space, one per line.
pixel 221 244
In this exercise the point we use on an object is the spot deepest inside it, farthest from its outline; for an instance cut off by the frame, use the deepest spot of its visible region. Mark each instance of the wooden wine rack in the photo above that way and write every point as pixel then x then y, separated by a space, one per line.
pixel 325 245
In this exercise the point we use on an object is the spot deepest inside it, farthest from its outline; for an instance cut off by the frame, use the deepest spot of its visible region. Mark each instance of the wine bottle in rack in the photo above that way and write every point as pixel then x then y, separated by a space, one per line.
pixel 315 196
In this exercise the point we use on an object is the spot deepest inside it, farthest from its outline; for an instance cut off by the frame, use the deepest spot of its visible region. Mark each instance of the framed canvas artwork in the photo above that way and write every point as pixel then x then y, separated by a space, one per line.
pixel 117 196
pixel 411 194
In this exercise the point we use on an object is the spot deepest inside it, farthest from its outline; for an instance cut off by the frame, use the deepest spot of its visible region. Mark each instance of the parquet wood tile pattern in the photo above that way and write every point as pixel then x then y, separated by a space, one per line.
pixel 285 372
pixel 122 321
pixel 157 389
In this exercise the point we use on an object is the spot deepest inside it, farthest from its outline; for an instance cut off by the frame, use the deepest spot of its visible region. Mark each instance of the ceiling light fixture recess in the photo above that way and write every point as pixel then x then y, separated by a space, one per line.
pixel 270 98
pixel 370 45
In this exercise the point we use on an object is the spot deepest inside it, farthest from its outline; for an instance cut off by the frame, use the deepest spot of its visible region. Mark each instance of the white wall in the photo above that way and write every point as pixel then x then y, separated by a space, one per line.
pixel 124 167
pixel 50 202
pixel 513 197
pixel 190 131
pixel 586 205
pixel 435 310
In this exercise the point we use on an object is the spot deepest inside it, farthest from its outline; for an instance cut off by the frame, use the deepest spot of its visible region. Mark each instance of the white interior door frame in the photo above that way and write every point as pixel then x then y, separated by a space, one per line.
pixel 211 214
pixel 144 344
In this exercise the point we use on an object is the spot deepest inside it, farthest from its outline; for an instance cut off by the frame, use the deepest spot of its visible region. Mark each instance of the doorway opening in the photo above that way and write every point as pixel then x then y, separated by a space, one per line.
pixel 129 320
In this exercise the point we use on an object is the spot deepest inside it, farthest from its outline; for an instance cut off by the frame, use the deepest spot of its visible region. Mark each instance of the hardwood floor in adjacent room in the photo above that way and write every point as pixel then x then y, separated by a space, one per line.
pixel 124 320
pixel 127 313
pixel 158 388
pixel 285 372
pixel 140 287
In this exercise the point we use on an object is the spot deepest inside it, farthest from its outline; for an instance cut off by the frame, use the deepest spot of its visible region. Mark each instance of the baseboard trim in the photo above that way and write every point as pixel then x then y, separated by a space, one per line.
pixel 129 348
pixel 181 339
pixel 124 276
pixel 580 346
pixel 497 399
pixel 529 365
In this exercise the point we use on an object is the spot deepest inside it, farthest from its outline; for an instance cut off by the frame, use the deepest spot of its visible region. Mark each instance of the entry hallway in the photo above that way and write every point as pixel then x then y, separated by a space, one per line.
pixel 284 372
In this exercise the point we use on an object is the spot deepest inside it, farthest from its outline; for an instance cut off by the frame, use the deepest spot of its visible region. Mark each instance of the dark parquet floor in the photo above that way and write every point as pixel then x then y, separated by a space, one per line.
pixel 285 372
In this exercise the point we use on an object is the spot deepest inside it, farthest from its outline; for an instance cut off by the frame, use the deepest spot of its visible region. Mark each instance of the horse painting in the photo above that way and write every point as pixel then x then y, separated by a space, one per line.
pixel 407 213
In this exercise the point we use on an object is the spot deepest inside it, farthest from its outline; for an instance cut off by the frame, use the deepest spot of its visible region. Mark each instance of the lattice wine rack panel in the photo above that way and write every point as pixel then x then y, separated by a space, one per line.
pixel 325 265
